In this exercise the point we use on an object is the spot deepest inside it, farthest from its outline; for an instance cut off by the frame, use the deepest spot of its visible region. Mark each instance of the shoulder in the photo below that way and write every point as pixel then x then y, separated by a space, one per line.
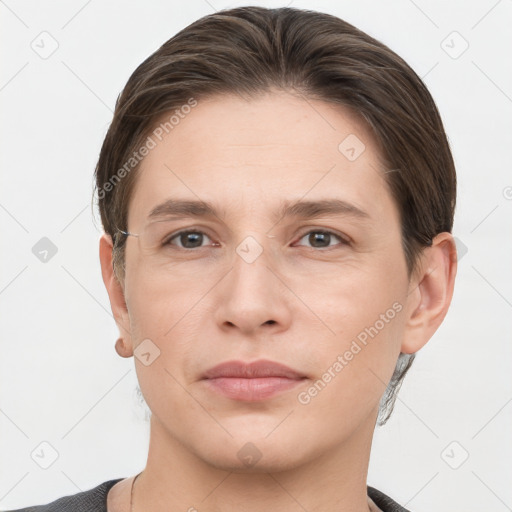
pixel 93 500
pixel 385 503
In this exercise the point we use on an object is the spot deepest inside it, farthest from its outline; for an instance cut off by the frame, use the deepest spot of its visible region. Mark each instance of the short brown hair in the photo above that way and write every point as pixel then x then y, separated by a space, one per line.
pixel 250 50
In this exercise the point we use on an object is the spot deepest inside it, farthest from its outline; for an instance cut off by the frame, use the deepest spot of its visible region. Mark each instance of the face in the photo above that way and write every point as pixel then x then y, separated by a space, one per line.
pixel 320 290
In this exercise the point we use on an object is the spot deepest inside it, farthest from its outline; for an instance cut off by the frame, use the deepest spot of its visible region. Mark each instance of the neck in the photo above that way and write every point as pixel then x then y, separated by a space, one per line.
pixel 175 478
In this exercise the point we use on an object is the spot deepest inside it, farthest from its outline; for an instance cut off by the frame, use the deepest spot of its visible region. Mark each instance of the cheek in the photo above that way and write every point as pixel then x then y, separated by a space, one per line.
pixel 364 314
pixel 163 391
pixel 354 368
pixel 158 304
pixel 349 300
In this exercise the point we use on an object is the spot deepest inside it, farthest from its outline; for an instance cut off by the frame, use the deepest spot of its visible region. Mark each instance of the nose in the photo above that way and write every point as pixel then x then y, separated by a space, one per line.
pixel 253 298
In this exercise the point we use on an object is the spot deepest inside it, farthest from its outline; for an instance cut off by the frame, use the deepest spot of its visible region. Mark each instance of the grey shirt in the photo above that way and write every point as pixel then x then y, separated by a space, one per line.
pixel 95 500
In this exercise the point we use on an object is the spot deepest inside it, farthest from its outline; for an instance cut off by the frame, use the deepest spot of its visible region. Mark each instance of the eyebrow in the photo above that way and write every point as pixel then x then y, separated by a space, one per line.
pixel 302 209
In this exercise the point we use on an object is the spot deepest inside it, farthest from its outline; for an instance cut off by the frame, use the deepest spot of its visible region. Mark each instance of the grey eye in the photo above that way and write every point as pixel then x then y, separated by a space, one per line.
pixel 321 239
pixel 189 239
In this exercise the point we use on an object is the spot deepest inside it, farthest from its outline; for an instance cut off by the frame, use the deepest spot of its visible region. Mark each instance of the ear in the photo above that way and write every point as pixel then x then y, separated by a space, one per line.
pixel 430 292
pixel 115 291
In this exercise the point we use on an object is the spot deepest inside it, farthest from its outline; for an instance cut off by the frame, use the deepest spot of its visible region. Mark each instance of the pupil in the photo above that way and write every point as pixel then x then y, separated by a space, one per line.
pixel 321 237
pixel 191 237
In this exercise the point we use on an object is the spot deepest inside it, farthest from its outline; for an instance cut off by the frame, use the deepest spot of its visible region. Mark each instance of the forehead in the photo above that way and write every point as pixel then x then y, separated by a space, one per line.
pixel 250 155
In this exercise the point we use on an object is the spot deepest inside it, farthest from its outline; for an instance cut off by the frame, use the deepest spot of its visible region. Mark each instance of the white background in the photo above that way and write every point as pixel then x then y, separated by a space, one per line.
pixel 61 380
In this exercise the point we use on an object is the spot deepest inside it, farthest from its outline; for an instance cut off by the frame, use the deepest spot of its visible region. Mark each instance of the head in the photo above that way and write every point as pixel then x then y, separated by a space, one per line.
pixel 248 111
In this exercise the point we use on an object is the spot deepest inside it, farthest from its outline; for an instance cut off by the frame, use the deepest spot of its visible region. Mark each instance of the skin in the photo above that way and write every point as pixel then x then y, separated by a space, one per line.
pixel 202 309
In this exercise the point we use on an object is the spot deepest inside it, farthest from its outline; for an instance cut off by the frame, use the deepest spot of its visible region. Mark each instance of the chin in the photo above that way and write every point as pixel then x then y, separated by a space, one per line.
pixel 270 461
pixel 251 452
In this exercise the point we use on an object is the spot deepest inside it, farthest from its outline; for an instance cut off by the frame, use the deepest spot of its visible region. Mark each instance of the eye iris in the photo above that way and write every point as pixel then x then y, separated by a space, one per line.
pixel 195 238
pixel 192 239
pixel 317 236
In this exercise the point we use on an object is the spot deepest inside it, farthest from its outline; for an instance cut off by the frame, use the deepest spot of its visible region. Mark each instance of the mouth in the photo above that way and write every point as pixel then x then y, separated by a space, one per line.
pixel 251 382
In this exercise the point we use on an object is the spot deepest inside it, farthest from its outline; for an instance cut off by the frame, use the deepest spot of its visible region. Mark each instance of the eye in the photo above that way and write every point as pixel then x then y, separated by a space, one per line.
pixel 319 238
pixel 190 239
pixel 194 239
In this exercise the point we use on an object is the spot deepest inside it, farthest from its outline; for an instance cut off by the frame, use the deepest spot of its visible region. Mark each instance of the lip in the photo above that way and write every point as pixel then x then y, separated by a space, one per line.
pixel 251 382
pixel 256 369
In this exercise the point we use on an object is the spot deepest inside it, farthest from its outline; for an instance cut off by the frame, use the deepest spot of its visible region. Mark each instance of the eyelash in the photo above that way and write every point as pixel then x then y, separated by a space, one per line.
pixel 343 241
